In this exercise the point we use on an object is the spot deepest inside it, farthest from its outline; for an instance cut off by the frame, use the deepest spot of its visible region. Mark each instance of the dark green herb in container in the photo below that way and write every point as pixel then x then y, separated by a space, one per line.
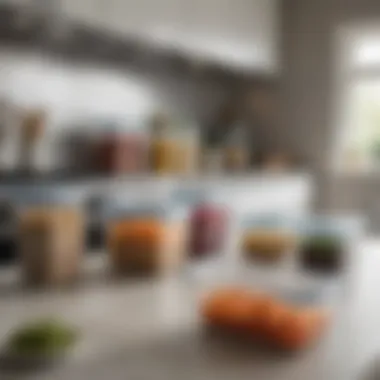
pixel 322 253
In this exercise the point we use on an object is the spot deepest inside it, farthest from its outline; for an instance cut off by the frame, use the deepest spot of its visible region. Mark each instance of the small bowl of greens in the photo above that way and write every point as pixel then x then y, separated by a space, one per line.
pixel 38 344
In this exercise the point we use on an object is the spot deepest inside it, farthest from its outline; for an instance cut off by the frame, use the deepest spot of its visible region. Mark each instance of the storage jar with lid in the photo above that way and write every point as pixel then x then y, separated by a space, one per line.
pixel 327 242
pixel 268 238
pixel 208 227
pixel 146 238
pixel 175 150
pixel 51 236
pixel 119 150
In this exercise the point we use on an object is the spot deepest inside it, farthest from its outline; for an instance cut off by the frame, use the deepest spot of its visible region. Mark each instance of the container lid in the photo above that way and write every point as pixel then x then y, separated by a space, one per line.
pixel 167 211
pixel 331 226
pixel 115 127
pixel 285 284
pixel 268 221
pixel 119 210
pixel 41 196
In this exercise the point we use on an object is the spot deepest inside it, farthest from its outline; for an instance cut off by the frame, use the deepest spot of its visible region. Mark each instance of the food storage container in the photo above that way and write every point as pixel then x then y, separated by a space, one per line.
pixel 51 237
pixel 175 151
pixel 286 322
pixel 327 242
pixel 267 238
pixel 281 309
pixel 146 239
pixel 208 227
pixel 118 150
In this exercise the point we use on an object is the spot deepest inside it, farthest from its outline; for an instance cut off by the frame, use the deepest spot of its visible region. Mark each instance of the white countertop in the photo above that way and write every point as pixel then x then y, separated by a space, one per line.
pixel 149 330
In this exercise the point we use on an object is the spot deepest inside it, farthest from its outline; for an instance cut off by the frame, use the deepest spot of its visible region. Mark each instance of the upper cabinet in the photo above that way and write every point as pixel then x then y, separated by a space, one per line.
pixel 240 33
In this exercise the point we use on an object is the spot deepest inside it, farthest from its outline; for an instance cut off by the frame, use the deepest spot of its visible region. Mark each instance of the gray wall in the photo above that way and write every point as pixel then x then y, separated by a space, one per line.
pixel 309 83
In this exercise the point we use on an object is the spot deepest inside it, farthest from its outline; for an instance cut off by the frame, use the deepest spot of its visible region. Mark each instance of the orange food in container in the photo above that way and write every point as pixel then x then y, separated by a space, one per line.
pixel 146 241
pixel 269 318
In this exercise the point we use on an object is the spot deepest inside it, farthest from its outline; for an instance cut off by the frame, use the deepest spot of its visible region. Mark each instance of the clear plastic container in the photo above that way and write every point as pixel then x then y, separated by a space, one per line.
pixel 268 237
pixel 175 151
pixel 51 236
pixel 327 243
pixel 283 308
pixel 146 238
pixel 209 224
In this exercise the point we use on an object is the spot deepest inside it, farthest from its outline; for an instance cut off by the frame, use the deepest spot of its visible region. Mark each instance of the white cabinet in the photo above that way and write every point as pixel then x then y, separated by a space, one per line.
pixel 241 33
pixel 151 20
pixel 86 12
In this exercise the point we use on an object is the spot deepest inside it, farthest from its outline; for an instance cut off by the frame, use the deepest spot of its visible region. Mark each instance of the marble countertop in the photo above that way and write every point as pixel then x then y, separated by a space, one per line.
pixel 149 329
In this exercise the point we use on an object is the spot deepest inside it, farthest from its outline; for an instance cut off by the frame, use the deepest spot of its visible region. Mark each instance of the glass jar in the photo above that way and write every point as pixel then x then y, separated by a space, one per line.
pixel 163 153
pixel 120 151
pixel 175 151
pixel 267 238
pixel 51 236
pixel 146 239
pixel 187 157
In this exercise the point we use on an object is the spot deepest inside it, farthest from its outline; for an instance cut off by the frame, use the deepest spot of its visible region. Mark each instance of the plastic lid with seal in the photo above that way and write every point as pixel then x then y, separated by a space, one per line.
pixel 331 226
pixel 48 196
pixel 269 221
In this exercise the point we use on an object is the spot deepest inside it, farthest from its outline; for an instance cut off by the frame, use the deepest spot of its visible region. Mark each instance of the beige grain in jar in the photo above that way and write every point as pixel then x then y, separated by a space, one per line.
pixel 51 245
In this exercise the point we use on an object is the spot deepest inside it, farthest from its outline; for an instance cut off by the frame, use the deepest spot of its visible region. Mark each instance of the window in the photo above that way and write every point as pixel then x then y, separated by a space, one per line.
pixel 360 90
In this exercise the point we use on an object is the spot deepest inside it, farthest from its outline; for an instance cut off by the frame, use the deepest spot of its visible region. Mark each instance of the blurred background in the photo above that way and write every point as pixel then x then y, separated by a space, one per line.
pixel 144 135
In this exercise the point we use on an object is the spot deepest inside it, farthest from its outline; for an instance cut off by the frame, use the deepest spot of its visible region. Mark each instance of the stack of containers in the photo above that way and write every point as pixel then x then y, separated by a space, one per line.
pixel 285 307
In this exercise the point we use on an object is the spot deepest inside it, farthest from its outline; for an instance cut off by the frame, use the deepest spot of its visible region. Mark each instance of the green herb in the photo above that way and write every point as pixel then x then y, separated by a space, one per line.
pixel 42 337
pixel 323 243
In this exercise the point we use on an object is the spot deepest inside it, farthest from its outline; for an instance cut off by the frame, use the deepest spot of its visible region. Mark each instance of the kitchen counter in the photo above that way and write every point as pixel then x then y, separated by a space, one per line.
pixel 149 329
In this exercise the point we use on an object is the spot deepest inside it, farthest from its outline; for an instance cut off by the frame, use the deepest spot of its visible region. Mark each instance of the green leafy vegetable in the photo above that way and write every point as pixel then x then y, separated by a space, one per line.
pixel 42 337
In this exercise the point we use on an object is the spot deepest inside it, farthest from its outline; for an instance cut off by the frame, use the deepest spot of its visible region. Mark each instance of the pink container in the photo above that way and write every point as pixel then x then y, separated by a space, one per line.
pixel 208 229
